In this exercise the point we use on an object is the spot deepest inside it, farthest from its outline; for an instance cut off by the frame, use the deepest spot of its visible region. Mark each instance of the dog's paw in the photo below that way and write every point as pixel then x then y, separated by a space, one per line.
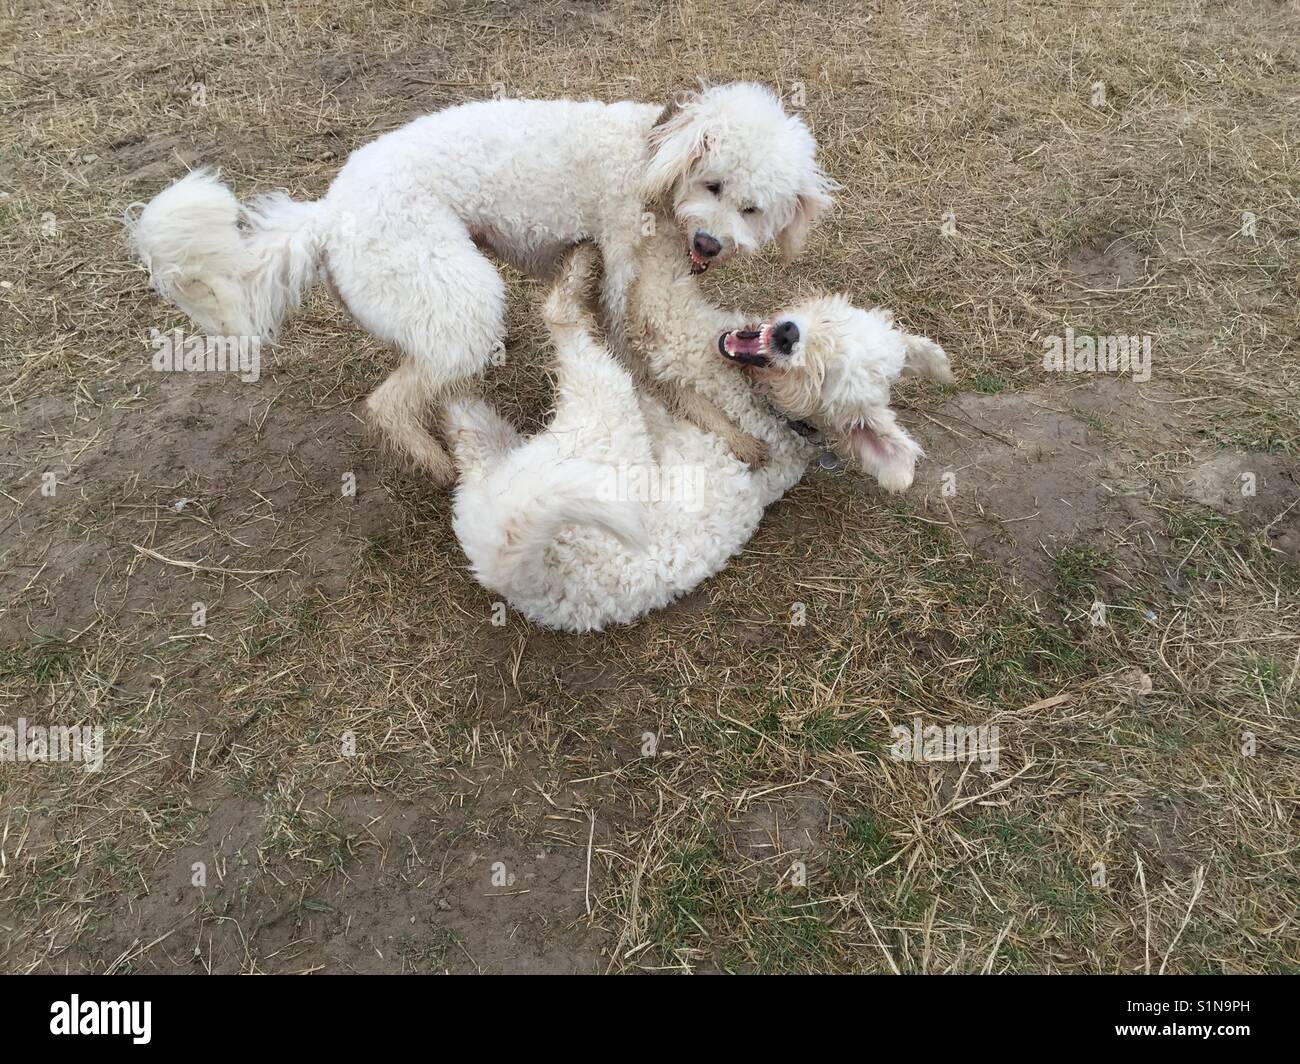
pixel 925 358
pixel 442 479
pixel 896 479
pixel 561 309
pixel 750 450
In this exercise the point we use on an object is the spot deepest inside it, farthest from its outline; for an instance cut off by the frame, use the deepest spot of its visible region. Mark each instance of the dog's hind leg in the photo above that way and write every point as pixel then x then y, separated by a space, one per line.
pixel 595 397
pixel 397 411
pixel 433 296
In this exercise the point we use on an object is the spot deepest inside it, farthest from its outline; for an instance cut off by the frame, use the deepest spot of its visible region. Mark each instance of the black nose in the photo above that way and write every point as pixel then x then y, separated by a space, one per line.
pixel 706 246
pixel 785 336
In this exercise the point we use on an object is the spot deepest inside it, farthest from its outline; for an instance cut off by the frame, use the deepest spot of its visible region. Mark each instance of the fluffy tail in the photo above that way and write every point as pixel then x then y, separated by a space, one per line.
pixel 507 546
pixel 235 270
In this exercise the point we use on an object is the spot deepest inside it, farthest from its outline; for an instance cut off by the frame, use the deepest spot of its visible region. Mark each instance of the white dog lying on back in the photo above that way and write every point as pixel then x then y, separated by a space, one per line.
pixel 618 508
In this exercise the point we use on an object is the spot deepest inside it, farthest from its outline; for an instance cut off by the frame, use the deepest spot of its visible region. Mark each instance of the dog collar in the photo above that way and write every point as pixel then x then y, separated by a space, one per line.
pixel 828 459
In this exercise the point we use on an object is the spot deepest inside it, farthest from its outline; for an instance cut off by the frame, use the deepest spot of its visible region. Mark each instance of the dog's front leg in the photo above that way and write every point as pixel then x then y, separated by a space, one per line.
pixel 693 406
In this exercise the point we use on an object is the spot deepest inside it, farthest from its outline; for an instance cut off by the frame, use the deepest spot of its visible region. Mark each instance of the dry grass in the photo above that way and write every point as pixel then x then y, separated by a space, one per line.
pixel 479 744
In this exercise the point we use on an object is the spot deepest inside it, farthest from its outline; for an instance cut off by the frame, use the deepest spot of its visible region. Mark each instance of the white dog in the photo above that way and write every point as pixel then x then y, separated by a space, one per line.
pixel 401 231
pixel 618 508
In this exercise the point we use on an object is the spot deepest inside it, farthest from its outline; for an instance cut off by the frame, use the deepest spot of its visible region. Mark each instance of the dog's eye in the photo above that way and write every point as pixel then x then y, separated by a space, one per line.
pixel 750 210
pixel 714 186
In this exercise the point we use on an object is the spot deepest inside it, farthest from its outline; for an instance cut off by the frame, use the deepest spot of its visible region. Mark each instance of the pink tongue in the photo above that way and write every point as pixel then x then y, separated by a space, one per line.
pixel 744 342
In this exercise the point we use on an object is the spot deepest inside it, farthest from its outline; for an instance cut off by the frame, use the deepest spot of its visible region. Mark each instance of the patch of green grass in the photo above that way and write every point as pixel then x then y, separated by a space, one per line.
pixel 41 664
pixel 688 895
pixel 1078 567
pixel 307 617
pixel 1268 673
pixel 1017 834
pixel 787 939
pixel 989 383
pixel 382 549
pixel 831 729
pixel 868 839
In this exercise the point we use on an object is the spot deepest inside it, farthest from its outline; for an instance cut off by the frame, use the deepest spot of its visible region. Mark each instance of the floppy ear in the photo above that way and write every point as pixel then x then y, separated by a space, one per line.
pixel 809 206
pixel 885 450
pixel 678 140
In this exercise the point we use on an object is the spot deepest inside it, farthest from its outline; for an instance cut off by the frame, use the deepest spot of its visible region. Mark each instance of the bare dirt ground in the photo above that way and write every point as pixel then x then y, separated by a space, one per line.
pixel 350 767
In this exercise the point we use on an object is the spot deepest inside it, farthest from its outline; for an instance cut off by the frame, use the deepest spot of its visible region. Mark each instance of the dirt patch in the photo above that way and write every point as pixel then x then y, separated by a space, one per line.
pixel 148 161
pixel 1259 491
pixel 1161 830
pixel 472 882
pixel 1104 265
pixel 189 490
pixel 417 81
pixel 768 838
pixel 1033 481
pixel 1024 478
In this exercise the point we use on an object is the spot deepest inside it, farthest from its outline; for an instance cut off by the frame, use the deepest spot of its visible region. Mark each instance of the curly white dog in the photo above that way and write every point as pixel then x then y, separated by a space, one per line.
pixel 618 508
pixel 401 231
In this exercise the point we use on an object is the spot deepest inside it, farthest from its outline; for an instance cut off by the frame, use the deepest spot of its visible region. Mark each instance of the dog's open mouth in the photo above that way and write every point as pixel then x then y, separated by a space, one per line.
pixel 746 346
pixel 698 262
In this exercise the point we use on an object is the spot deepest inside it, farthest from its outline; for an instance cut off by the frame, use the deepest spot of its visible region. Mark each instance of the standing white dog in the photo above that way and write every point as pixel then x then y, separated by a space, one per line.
pixel 401 231
pixel 618 507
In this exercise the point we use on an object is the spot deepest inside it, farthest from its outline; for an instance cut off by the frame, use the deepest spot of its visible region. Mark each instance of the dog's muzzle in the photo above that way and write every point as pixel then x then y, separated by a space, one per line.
pixel 749 347
pixel 785 335
pixel 705 248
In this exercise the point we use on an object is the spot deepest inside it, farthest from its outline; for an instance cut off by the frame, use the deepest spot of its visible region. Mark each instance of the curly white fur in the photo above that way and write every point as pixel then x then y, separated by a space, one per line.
pixel 402 230
pixel 516 512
